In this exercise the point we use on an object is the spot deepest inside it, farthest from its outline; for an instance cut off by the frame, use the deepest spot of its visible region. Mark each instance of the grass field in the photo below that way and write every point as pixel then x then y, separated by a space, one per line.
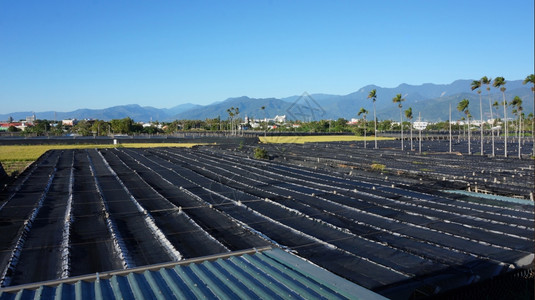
pixel 16 158
pixel 33 152
pixel 317 139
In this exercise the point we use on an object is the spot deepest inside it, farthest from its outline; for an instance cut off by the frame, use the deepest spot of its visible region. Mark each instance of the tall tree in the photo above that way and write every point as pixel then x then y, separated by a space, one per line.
pixel 531 79
pixel 499 82
pixel 408 115
pixel 517 105
pixel 263 108
pixel 398 99
pixel 363 112
pixel 463 107
pixel 231 113
pixel 122 126
pixel 476 85
pixel 487 81
pixel 373 95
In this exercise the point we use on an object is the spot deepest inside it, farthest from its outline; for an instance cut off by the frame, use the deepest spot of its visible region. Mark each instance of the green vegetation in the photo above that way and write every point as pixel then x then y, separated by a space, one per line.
pixel 378 167
pixel 260 153
pixel 316 139
pixel 33 152
pixel 14 168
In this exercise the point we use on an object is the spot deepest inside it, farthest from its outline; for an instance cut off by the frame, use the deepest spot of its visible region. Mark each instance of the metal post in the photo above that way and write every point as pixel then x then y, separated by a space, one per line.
pixel 481 124
pixel 450 127
pixel 420 134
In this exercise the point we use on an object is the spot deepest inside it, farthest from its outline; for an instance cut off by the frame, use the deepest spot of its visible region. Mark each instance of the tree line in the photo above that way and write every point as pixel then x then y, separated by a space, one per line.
pixel 130 127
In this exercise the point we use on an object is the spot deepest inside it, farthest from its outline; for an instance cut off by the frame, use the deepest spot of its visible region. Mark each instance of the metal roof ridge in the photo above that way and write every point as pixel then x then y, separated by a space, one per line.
pixel 154 267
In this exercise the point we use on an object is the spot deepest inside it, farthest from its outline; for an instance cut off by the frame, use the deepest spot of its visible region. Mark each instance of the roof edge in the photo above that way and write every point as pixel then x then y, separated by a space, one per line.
pixel 109 274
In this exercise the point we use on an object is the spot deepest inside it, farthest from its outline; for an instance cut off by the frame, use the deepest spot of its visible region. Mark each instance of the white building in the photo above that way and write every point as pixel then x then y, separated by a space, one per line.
pixel 280 119
pixel 353 121
pixel 419 125
pixel 69 122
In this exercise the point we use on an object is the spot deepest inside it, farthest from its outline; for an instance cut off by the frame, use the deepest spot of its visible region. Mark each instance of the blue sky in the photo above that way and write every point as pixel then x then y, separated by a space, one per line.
pixel 64 55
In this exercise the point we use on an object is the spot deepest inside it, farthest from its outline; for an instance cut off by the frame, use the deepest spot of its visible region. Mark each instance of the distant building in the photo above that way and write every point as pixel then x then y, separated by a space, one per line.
pixel 418 125
pixel 353 121
pixel 145 125
pixel 31 119
pixel 19 125
pixel 276 119
pixel 69 122
pixel 280 119
pixel 256 123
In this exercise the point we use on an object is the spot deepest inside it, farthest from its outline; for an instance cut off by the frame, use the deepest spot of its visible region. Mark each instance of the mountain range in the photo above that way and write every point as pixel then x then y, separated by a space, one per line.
pixel 431 100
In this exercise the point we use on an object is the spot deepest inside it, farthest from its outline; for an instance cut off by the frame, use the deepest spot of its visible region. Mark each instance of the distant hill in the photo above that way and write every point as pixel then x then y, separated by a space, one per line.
pixel 431 100
pixel 250 107
pixel 181 108
pixel 133 111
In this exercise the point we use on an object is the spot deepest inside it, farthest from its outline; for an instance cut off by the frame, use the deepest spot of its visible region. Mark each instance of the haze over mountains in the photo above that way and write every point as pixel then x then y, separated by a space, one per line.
pixel 431 100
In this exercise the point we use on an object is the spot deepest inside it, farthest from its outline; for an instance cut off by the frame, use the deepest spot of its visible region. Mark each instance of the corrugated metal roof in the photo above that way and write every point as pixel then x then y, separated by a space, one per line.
pixel 269 274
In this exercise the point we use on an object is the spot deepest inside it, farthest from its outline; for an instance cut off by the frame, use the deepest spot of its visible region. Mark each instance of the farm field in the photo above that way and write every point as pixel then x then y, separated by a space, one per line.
pixel 15 158
pixel 319 138
pixel 33 152
pixel 435 168
pixel 80 211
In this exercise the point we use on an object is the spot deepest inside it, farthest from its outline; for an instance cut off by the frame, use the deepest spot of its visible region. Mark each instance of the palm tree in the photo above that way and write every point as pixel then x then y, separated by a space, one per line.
pixel 476 85
pixel 517 104
pixel 487 81
pixel 463 107
pixel 531 79
pixel 408 115
pixel 499 82
pixel 263 108
pixel 230 112
pixel 363 112
pixel 373 96
pixel 398 99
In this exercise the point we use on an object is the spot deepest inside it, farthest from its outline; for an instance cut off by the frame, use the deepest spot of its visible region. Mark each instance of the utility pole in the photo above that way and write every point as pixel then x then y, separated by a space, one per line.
pixel 481 124
pixel 420 134
pixel 450 127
